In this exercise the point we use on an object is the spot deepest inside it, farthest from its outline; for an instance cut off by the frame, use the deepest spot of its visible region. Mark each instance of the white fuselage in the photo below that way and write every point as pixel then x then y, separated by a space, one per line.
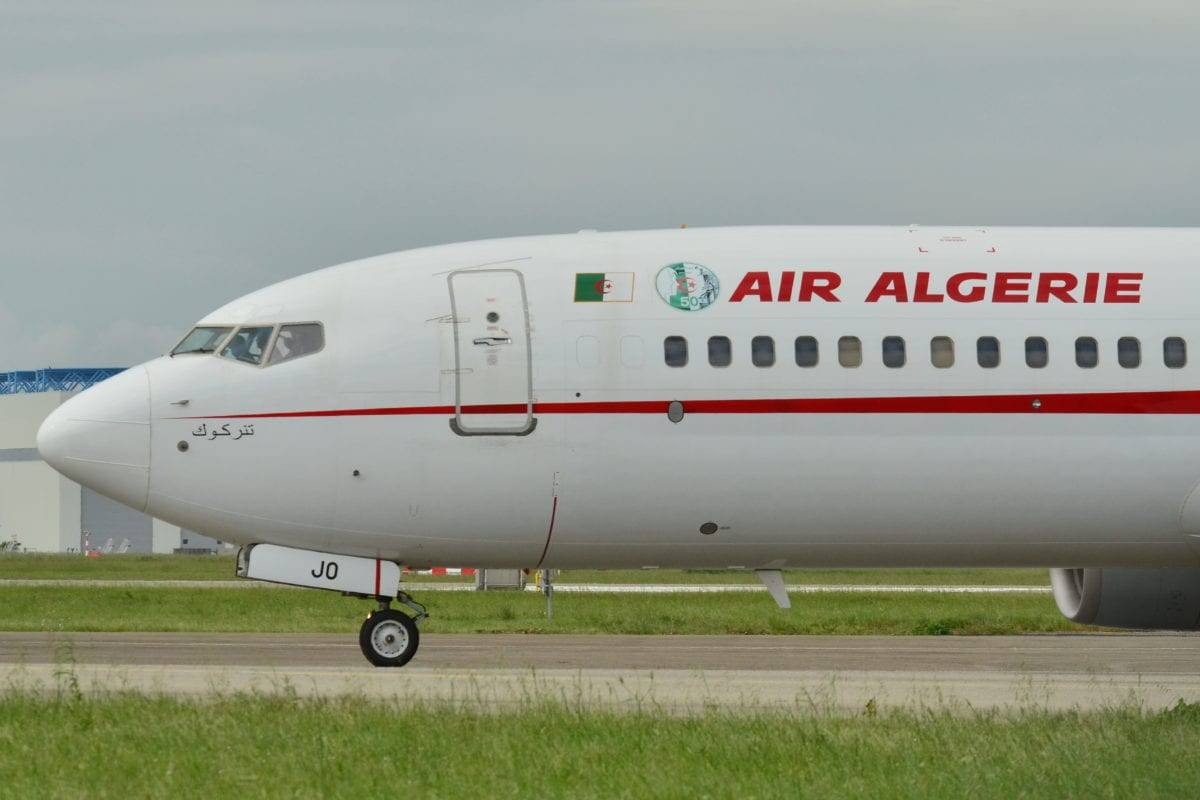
pixel 425 433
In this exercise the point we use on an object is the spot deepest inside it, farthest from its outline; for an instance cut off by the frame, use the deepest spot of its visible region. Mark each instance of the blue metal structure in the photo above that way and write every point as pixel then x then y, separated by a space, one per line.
pixel 53 380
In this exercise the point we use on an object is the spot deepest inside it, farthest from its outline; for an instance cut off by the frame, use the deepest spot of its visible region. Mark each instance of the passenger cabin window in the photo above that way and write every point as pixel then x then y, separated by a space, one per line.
pixel 632 352
pixel 1037 352
pixel 587 352
pixel 893 351
pixel 806 351
pixel 675 351
pixel 1129 352
pixel 941 352
pixel 850 351
pixel 248 345
pixel 1174 352
pixel 1087 353
pixel 987 352
pixel 720 351
pixel 201 340
pixel 295 341
pixel 762 351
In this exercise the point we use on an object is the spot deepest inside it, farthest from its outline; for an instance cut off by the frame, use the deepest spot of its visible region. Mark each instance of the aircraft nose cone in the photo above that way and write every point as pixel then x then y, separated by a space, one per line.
pixel 101 438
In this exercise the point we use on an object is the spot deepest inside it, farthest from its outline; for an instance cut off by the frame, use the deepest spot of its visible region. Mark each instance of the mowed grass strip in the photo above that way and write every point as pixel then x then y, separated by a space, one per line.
pixel 264 747
pixel 127 566
pixel 131 567
pixel 221 568
pixel 34 608
pixel 823 577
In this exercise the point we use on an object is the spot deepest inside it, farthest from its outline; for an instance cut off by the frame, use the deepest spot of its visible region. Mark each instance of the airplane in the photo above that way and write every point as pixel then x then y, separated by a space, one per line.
pixel 745 397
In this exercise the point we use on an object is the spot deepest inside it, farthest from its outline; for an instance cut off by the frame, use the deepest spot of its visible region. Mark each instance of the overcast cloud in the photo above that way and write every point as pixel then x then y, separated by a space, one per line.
pixel 158 159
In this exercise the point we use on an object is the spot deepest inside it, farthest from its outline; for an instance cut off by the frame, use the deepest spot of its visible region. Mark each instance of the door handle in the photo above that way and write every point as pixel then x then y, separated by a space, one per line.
pixel 492 341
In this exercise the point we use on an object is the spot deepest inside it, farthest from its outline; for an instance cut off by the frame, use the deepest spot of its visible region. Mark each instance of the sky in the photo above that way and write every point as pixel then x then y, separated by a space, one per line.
pixel 159 159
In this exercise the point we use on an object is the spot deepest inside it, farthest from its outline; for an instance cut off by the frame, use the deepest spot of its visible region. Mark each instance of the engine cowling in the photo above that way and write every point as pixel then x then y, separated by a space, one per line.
pixel 1151 599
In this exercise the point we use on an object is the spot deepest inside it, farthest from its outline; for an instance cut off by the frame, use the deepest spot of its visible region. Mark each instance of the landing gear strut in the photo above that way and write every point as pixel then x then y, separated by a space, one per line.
pixel 389 638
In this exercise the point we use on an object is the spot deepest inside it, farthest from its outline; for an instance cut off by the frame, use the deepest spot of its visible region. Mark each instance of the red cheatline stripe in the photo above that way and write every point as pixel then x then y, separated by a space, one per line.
pixel 1169 402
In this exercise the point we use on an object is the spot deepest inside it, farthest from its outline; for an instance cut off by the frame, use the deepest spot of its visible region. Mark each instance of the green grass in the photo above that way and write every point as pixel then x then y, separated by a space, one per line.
pixel 286 610
pixel 116 567
pixel 261 747
pixel 131 567
pixel 891 577
pixel 204 568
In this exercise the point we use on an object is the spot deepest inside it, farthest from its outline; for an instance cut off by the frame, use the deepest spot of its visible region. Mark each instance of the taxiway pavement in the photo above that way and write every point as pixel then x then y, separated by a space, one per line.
pixel 672 673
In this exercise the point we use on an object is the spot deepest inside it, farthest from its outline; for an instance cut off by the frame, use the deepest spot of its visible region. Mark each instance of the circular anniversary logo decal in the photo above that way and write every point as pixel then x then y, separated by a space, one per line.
pixel 686 286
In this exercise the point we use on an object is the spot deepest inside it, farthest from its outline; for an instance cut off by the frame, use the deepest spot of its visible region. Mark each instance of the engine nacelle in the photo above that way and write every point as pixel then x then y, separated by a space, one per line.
pixel 1154 599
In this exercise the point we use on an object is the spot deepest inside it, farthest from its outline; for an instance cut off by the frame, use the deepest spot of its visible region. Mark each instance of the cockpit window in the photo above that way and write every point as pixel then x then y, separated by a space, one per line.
pixel 248 345
pixel 294 341
pixel 201 340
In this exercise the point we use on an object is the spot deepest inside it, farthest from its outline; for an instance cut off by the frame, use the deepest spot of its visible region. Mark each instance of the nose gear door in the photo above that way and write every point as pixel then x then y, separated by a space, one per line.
pixel 493 376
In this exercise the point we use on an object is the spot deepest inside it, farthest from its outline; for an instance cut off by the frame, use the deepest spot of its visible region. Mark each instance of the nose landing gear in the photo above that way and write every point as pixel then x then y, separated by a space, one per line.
pixel 389 638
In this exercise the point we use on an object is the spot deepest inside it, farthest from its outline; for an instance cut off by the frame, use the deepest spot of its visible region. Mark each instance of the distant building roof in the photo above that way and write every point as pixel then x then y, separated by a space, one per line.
pixel 54 380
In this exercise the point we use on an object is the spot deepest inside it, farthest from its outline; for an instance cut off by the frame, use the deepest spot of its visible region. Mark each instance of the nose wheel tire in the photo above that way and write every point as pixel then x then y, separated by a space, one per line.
pixel 389 638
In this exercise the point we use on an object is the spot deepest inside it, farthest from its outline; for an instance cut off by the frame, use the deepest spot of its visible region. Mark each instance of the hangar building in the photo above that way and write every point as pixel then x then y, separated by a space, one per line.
pixel 40 510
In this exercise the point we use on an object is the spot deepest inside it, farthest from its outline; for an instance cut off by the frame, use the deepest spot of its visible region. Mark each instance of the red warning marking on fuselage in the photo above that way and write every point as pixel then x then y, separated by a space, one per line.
pixel 1158 402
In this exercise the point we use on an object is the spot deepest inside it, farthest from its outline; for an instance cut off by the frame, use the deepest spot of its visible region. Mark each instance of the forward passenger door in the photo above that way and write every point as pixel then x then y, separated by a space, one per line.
pixel 493 376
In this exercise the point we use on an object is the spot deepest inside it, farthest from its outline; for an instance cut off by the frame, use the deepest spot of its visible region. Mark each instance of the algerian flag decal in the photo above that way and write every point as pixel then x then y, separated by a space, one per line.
pixel 603 287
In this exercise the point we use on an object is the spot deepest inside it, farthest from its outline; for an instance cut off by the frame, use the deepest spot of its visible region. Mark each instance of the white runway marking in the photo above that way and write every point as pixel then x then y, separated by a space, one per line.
pixel 802 588
pixel 617 588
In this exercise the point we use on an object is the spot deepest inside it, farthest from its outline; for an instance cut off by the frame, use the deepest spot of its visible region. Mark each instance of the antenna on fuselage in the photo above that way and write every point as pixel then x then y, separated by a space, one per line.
pixel 548 590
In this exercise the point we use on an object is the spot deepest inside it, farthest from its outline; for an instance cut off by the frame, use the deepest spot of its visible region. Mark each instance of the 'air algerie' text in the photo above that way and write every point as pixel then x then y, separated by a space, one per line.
pixel 961 287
